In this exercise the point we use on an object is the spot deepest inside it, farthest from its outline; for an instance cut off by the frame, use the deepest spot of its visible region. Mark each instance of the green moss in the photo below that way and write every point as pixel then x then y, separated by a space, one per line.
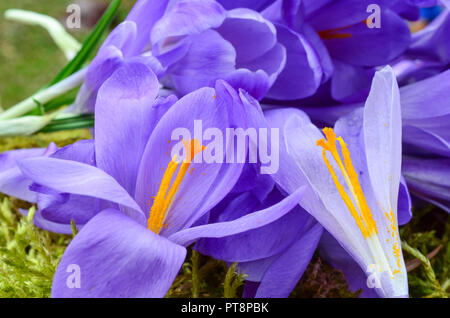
pixel 42 140
pixel 28 256
pixel 428 233
pixel 320 280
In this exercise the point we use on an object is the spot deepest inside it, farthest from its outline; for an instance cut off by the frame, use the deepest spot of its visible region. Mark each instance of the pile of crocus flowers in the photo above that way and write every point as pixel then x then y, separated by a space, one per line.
pixel 355 109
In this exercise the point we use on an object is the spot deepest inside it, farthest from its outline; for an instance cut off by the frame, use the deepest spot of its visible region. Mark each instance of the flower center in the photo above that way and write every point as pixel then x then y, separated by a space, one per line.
pixel 361 213
pixel 333 33
pixel 167 191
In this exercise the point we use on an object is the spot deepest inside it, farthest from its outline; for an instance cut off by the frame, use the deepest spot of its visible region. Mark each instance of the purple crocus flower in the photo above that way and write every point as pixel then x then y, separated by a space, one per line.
pixel 345 46
pixel 190 44
pixel 125 44
pixel 425 122
pixel 199 42
pixel 354 187
pixel 426 116
pixel 429 179
pixel 12 181
pixel 142 207
pixel 429 52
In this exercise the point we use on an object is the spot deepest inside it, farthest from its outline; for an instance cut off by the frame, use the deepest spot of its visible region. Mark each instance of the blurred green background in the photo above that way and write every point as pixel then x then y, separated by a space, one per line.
pixel 29 58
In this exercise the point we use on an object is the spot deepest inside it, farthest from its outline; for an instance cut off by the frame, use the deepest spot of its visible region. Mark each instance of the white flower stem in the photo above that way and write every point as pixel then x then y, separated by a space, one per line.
pixel 62 38
pixel 45 95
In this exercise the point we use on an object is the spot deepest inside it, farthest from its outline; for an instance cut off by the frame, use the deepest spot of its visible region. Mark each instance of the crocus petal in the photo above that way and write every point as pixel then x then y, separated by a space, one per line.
pixel 404 211
pixel 341 13
pixel 188 17
pixel 433 92
pixel 108 59
pixel 47 225
pixel 406 10
pixel 121 37
pixel 429 179
pixel 255 83
pixel 255 270
pixel 99 70
pixel 81 151
pixel 289 174
pixel 209 58
pixel 120 140
pixel 383 137
pixel 302 74
pixel 78 178
pixel 250 289
pixel 250 34
pixel 272 62
pixel 321 50
pixel 117 257
pixel 213 108
pixel 151 62
pixel 248 222
pixel 145 14
pixel 257 5
pixel 420 141
pixel 349 127
pixel 63 208
pixel 370 47
pixel 284 273
pixel 241 113
pixel 12 180
pixel 255 244
pixel 429 43
pixel 251 180
pixel 350 83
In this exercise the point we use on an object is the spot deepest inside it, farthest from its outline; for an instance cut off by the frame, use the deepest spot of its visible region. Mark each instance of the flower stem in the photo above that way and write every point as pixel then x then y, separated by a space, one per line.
pixel 45 95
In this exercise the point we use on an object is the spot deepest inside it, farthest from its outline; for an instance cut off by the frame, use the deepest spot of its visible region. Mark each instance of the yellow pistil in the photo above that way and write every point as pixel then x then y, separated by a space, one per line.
pixel 361 213
pixel 167 192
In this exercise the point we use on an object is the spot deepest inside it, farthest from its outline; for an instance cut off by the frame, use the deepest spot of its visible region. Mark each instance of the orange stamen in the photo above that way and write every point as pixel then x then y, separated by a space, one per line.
pixel 361 213
pixel 166 193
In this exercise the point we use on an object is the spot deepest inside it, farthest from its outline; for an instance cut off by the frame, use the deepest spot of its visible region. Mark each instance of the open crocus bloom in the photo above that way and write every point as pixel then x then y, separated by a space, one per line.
pixel 354 175
pixel 141 204
pixel 199 42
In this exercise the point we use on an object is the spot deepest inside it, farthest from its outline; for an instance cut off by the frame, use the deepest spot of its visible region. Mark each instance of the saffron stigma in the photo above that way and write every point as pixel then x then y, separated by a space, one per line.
pixel 167 191
pixel 361 213
pixel 334 33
